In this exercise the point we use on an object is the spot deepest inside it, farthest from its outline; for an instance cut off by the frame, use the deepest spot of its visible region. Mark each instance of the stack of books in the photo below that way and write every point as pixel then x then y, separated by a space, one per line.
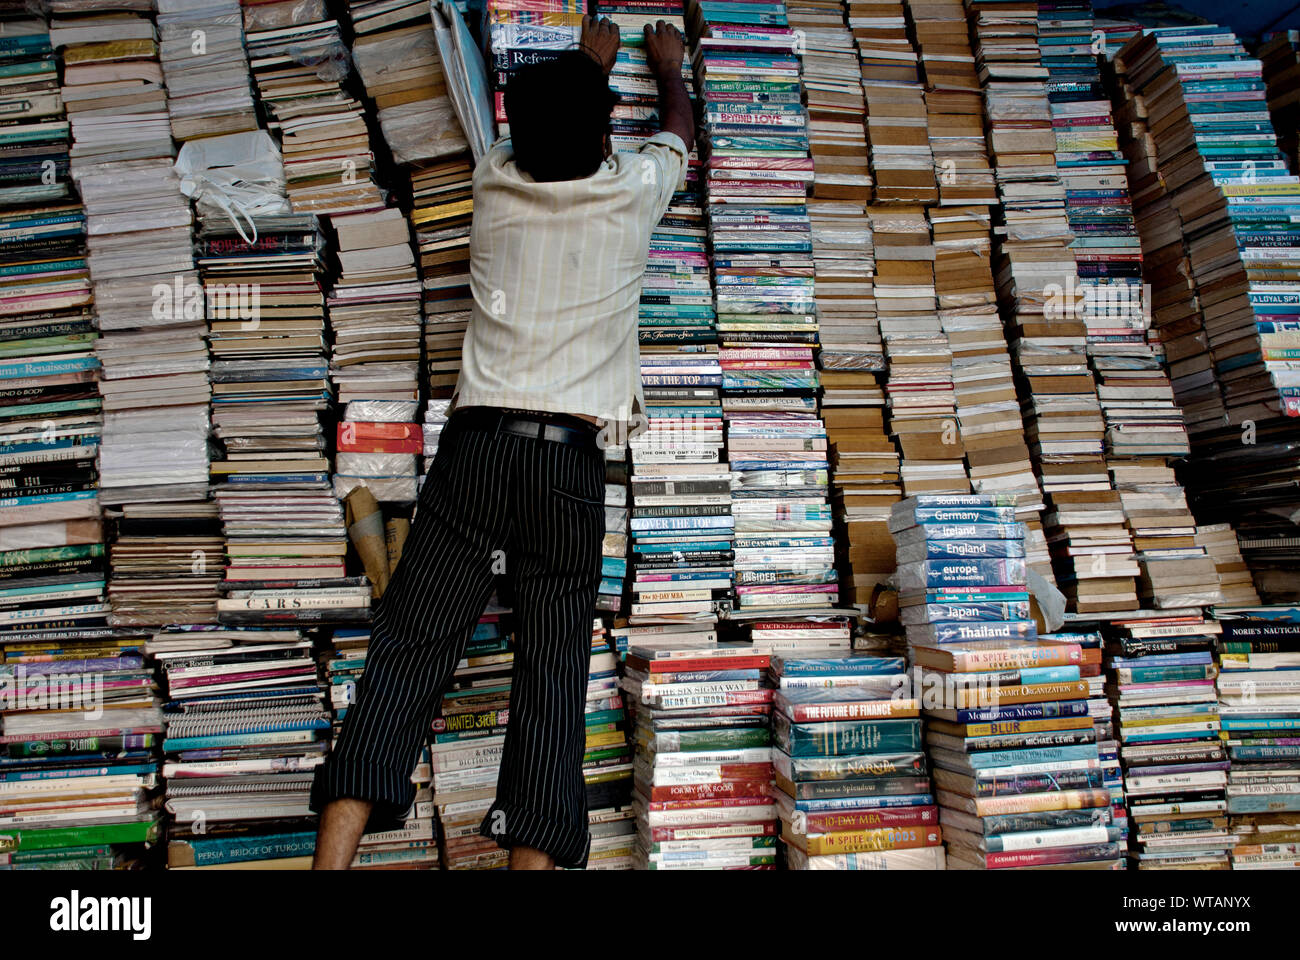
pixel 832 85
pixel 166 562
pixel 379 447
pixel 1017 770
pixel 299 65
pixel 920 392
pixel 521 32
pixel 851 776
pixel 613 548
pixel 953 105
pixel 1219 541
pixel 397 59
pixel 414 845
pixel 1259 707
pixel 442 205
pixel 1280 55
pixel 201 48
pixel 79 736
pixel 374 309
pixel 50 410
pixel 467 740
pixel 1233 198
pixel 703 761
pixel 607 763
pixel 1161 681
pixel 1091 549
pixel 246 726
pixel 139 253
pixel 266 328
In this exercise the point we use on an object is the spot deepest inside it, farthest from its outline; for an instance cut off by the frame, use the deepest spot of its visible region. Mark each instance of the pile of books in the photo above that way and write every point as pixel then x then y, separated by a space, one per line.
pixel 1259 707
pixel 374 309
pixel 50 410
pixel 1161 681
pixel 201 49
pixel 1219 541
pixel 138 227
pixel 79 736
pixel 607 763
pixel 413 845
pixel 1017 770
pixel 1232 199
pixel 1280 55
pixel 442 204
pixel 521 32
pixel 396 57
pixel 467 740
pixel 379 447
pixel 247 724
pixel 299 64
pixel 703 761
pixel 613 546
pixel 852 778
pixel 920 393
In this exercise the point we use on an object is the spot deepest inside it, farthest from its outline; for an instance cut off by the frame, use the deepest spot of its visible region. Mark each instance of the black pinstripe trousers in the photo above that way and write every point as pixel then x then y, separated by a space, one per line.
pixel 542 503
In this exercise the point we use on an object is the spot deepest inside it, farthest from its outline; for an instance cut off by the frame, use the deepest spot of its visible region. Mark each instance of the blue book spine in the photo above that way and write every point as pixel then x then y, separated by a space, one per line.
pixel 982 630
pixel 242 849
pixel 976 549
pixel 975 612
pixel 1001 758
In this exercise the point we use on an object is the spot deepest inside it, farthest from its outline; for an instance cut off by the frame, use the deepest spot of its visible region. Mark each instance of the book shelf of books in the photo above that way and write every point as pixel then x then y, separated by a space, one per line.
pixel 956 531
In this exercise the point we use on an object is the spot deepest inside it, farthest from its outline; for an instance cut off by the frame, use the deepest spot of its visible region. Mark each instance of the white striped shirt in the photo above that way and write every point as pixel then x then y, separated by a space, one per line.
pixel 555 272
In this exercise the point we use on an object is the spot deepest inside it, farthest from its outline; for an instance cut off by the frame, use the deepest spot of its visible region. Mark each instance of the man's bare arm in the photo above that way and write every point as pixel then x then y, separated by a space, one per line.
pixel 599 40
pixel 665 48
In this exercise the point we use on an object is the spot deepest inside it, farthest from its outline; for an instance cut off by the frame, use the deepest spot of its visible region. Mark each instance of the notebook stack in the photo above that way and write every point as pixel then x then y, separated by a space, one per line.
pixel 166 563
pixel 521 32
pixel 1259 704
pixel 397 59
pixel 468 737
pixel 1161 681
pixel 1175 570
pixel 1280 55
pixel 79 736
pixel 374 309
pixel 1234 199
pixel 299 64
pixel 851 776
pixel 703 760
pixel 442 204
pixel 435 420
pixel 920 392
pixel 607 763
pixel 1113 32
pixel 247 724
pixel 412 846
pixel 154 384
pixel 201 48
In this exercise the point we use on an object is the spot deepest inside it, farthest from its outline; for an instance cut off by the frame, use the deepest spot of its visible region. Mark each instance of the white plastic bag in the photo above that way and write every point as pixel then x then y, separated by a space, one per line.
pixel 240 175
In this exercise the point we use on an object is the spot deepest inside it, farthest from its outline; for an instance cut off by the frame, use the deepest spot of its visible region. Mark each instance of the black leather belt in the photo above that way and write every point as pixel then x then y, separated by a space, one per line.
pixel 557 428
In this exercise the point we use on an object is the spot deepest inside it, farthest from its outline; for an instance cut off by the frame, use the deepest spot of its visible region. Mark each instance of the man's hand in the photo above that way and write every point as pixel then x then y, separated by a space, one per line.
pixel 599 40
pixel 664 48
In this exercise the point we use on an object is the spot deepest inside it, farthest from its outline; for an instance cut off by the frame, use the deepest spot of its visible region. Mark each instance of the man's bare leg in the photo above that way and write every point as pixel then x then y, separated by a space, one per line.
pixel 528 858
pixel 342 823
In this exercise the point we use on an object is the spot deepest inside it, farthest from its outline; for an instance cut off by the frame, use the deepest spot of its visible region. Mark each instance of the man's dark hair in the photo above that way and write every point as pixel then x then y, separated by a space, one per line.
pixel 558 111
